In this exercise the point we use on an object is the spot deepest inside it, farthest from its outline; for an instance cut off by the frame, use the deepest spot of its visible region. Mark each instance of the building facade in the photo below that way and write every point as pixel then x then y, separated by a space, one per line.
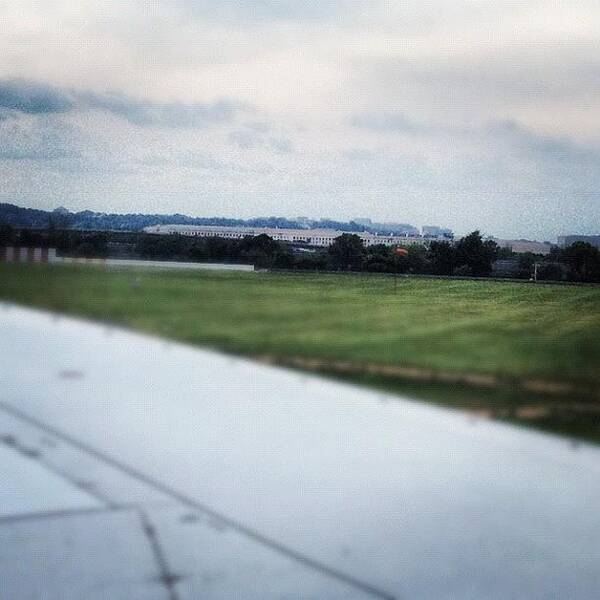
pixel 525 246
pixel 309 237
pixel 567 240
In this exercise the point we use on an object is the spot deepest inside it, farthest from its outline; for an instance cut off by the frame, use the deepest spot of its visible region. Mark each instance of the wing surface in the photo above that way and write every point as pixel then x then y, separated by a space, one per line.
pixel 138 467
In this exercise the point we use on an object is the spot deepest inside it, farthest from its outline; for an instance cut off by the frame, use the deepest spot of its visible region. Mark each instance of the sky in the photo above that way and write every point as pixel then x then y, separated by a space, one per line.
pixel 470 114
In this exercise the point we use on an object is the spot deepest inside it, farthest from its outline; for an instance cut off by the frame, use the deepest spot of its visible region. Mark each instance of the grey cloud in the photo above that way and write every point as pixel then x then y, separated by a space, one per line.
pixel 40 140
pixel 6 114
pixel 502 134
pixel 33 98
pixel 261 126
pixel 483 83
pixel 250 137
pixel 266 10
pixel 37 98
pixel 246 138
pixel 551 148
pixel 186 160
pixel 521 74
pixel 389 121
pixel 173 114
pixel 359 155
pixel 282 145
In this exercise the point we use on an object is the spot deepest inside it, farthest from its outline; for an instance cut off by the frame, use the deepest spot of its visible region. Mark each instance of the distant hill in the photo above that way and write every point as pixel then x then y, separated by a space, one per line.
pixel 61 218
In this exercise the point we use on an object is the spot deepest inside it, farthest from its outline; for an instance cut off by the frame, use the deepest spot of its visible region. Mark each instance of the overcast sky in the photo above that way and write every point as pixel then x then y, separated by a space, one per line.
pixel 464 113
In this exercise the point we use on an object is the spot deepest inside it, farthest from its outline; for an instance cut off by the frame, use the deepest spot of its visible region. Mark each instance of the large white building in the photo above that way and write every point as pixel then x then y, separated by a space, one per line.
pixel 525 246
pixel 310 237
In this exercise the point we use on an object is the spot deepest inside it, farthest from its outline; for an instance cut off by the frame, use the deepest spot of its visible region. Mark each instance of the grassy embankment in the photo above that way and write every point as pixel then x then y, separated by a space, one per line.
pixel 515 351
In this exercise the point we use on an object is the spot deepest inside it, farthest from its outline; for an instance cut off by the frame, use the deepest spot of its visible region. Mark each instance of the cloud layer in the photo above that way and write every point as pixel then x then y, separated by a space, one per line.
pixel 37 98
pixel 468 114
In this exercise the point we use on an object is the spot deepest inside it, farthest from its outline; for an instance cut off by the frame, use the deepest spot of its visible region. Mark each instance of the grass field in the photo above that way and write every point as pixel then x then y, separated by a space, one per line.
pixel 505 336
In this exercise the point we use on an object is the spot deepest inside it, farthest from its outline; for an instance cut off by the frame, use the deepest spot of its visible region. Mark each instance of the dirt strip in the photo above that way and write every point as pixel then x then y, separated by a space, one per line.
pixel 476 380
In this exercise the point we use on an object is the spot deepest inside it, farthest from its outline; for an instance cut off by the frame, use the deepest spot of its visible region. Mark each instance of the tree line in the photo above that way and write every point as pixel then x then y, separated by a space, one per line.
pixel 471 256
pixel 30 218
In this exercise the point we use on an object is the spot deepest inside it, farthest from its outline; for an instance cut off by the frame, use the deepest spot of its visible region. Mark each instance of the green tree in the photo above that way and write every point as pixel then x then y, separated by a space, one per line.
pixel 160 246
pixel 583 261
pixel 57 221
pixel 441 258
pixel 93 246
pixel 475 254
pixel 7 235
pixel 379 259
pixel 416 259
pixel 263 251
pixel 550 271
pixel 346 252
pixel 526 263
pixel 218 248
pixel 262 243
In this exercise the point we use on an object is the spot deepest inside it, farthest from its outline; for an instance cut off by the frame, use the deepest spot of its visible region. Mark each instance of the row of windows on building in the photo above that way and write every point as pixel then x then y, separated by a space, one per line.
pixel 239 236
pixel 369 240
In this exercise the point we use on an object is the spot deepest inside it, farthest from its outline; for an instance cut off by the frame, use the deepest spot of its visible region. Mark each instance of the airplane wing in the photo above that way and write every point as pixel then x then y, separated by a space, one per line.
pixel 134 467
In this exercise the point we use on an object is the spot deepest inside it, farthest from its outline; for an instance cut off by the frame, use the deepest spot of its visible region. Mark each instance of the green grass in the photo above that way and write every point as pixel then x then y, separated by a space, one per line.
pixel 510 330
